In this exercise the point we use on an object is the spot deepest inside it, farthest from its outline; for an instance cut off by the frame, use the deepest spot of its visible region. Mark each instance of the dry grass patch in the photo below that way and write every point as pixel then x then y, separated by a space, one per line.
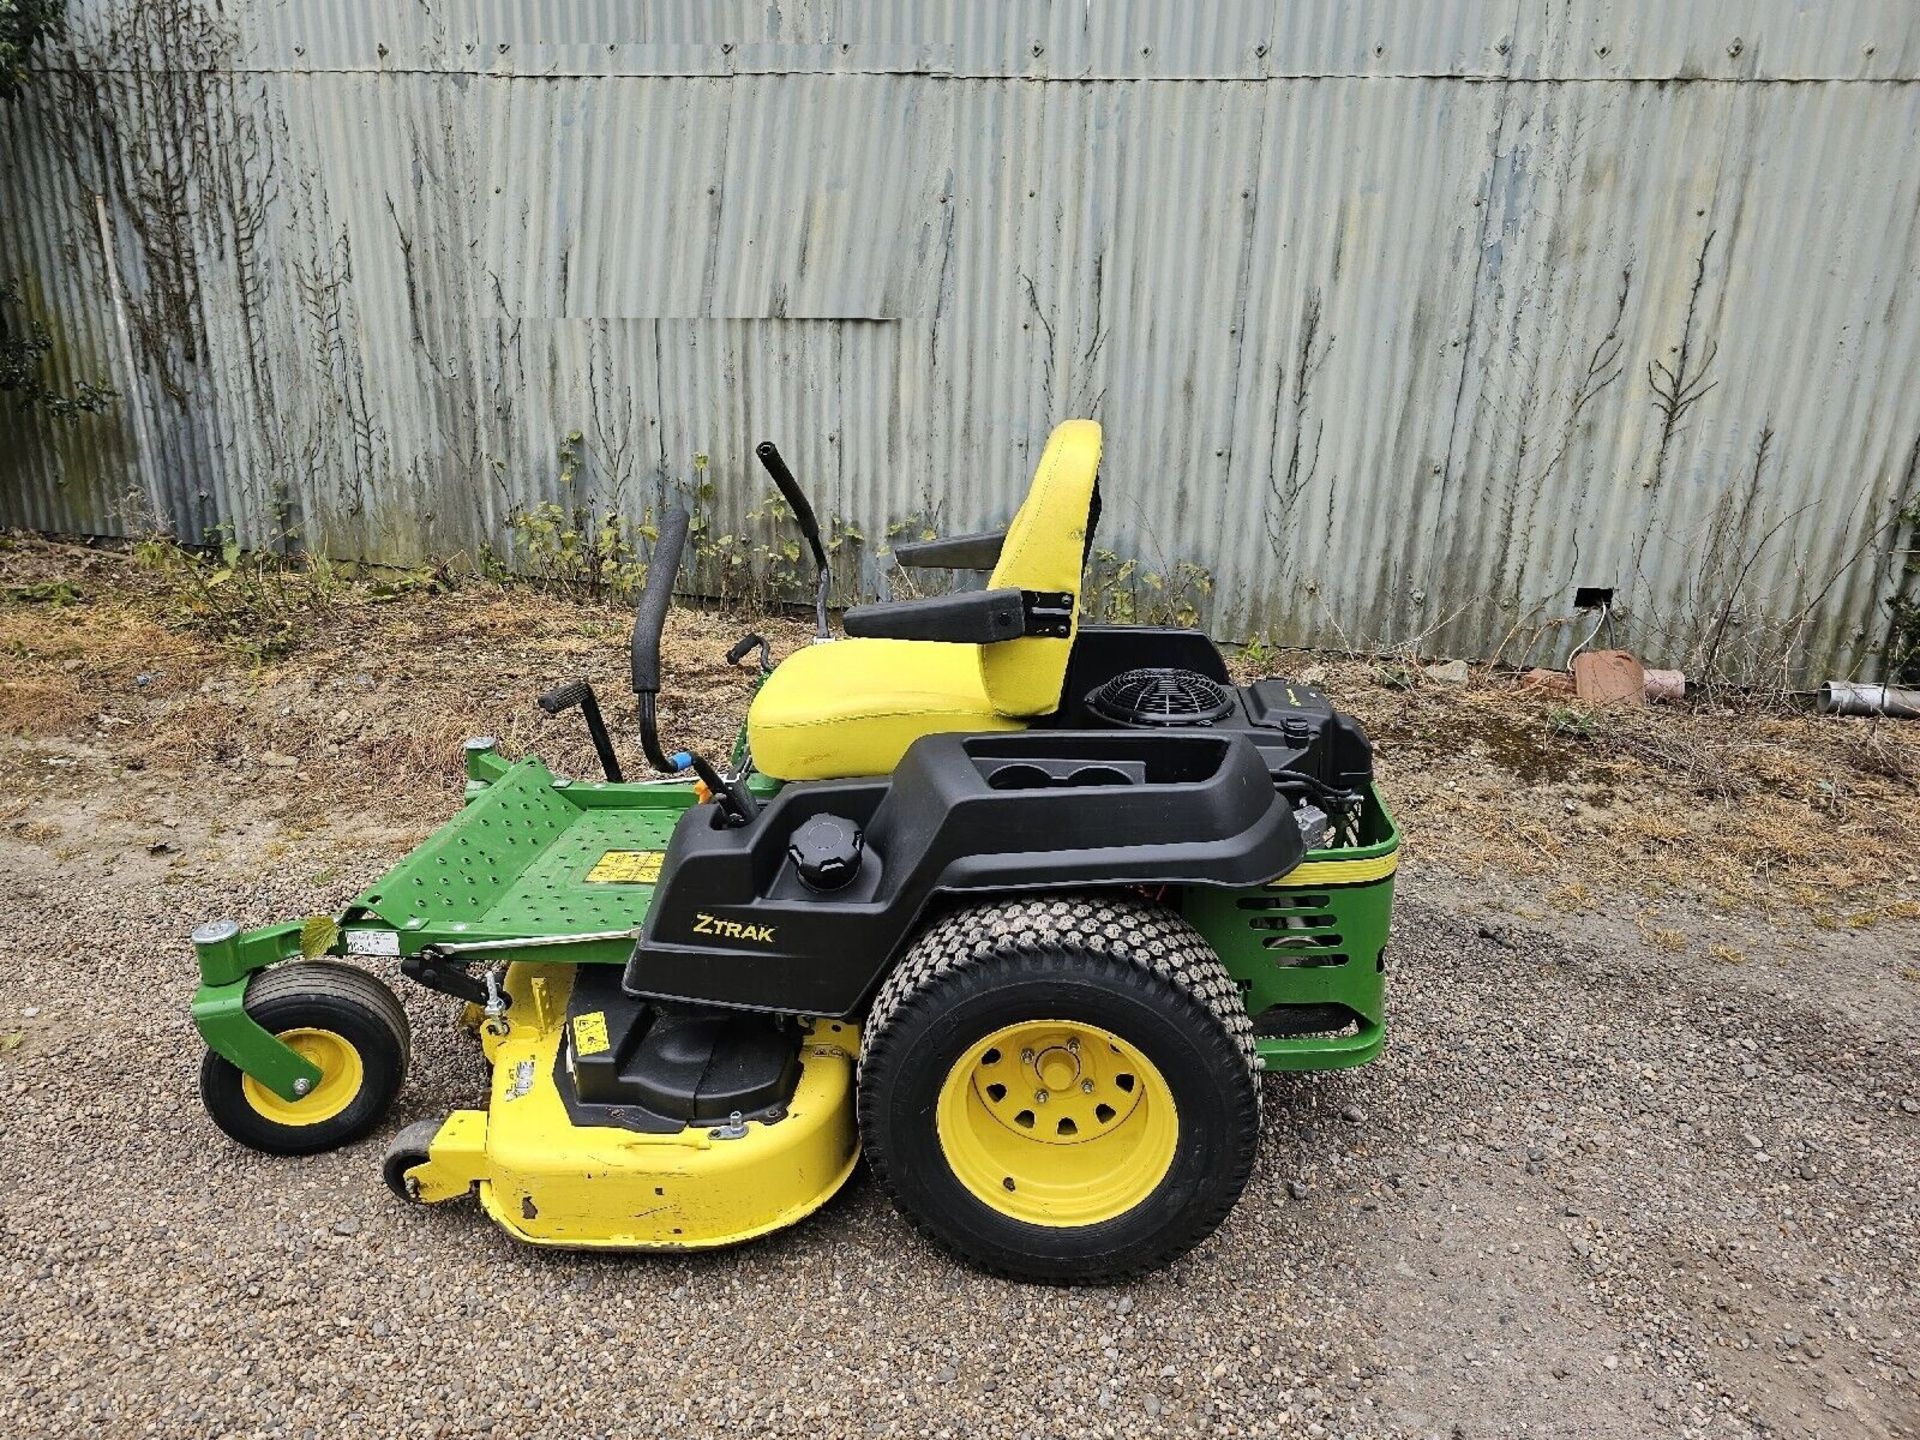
pixel 367 702
pixel 1736 808
pixel 1731 808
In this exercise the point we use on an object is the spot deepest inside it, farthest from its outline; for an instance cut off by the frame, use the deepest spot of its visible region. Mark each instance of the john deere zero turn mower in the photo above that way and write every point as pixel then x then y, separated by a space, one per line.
pixel 1021 907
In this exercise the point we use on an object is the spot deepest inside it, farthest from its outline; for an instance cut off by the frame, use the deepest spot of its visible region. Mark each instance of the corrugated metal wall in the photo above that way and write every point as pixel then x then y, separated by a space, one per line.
pixel 1404 318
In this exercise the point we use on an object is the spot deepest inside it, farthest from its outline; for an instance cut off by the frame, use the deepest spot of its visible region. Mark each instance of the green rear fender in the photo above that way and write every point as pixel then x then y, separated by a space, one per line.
pixel 1309 949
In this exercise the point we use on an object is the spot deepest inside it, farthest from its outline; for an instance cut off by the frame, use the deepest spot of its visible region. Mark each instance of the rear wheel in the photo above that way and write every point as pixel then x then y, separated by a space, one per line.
pixel 342 1020
pixel 1061 1089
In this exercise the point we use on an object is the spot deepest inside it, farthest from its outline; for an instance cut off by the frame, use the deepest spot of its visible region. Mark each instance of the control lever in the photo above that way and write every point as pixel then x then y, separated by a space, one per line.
pixel 650 617
pixel 803 516
pixel 580 693
pixel 745 645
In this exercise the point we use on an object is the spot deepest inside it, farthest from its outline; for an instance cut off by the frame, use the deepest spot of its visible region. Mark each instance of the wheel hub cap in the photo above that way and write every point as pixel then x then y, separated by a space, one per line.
pixel 1057 1068
pixel 1057 1122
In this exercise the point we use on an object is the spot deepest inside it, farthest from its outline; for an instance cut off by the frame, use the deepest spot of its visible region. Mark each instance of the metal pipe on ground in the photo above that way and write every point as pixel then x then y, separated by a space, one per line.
pixel 1846 697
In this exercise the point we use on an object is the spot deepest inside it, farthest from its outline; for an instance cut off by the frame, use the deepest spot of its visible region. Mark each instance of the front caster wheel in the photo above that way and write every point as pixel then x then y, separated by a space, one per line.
pixel 344 1021
pixel 1061 1089
pixel 406 1150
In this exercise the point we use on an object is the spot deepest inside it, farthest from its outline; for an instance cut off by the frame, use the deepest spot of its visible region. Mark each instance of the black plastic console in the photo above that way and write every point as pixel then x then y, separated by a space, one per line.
pixel 734 923
pixel 640 1066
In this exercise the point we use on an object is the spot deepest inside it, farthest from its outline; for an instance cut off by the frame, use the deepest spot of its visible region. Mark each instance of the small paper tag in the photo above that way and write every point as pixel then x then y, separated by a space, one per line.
pixel 590 1033
pixel 372 942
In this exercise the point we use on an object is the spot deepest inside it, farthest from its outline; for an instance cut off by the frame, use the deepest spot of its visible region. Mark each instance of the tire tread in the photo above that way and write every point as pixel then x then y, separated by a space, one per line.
pixel 1116 928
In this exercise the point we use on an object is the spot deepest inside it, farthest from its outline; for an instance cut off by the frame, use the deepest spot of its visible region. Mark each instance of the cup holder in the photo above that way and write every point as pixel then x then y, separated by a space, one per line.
pixel 1064 775
pixel 1019 777
pixel 1098 775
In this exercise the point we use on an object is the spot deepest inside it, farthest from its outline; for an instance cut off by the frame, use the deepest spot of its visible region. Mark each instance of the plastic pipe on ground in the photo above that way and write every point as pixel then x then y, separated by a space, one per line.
pixel 1845 697
pixel 1666 684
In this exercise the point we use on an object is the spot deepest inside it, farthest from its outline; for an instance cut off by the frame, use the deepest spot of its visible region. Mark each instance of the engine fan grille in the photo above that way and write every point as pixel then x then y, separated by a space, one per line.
pixel 1161 696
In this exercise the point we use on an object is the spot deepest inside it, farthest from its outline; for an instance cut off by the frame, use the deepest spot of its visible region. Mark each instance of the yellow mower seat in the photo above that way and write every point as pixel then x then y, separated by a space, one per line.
pixel 853 707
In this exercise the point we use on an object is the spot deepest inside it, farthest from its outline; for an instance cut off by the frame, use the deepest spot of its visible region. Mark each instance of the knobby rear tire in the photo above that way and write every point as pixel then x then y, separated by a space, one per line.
pixel 1133 969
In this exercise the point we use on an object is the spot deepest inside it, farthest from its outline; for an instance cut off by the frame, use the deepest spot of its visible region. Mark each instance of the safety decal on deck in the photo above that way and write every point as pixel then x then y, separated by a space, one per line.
pixel 590 1033
pixel 626 867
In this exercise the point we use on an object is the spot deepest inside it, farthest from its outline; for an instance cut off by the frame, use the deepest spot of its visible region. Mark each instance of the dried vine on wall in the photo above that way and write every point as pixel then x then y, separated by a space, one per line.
pixel 25 341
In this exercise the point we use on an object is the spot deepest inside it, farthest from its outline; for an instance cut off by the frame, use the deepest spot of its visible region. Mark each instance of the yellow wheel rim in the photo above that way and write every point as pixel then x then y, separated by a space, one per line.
pixel 341 1075
pixel 1057 1123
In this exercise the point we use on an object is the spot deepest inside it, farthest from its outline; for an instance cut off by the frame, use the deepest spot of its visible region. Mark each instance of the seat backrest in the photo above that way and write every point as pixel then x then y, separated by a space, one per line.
pixel 1045 550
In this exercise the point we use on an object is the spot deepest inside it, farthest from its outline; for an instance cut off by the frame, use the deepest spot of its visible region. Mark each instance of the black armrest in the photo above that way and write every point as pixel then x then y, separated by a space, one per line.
pixel 955 552
pixel 979 617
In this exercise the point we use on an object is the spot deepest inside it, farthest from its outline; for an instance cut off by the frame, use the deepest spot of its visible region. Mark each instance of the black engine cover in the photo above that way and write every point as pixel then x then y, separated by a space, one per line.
pixel 1297 730
pixel 1295 726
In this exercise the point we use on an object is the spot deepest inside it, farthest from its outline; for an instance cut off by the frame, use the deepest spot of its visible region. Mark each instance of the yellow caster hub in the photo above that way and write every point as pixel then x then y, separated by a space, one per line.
pixel 341 1076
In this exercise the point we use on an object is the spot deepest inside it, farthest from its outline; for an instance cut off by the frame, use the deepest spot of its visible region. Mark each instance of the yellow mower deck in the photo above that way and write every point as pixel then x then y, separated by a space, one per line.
pixel 549 1181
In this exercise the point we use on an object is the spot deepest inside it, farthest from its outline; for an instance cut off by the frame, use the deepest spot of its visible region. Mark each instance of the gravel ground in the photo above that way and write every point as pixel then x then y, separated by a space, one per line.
pixel 1594 1188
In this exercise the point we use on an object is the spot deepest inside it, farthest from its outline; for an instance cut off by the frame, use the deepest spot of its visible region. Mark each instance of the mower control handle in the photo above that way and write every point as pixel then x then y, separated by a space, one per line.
pixel 651 616
pixel 796 499
pixel 810 527
pixel 580 692
pixel 746 645
pixel 648 621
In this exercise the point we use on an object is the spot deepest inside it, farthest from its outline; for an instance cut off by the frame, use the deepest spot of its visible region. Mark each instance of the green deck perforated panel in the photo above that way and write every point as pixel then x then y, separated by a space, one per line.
pixel 514 862
pixel 552 894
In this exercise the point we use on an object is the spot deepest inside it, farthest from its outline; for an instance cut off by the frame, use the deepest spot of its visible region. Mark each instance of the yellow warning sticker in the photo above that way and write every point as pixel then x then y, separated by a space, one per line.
pixel 626 867
pixel 590 1033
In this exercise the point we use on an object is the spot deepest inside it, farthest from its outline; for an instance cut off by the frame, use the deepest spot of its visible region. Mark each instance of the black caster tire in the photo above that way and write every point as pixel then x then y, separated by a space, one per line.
pixel 1061 1089
pixel 345 1021
pixel 404 1151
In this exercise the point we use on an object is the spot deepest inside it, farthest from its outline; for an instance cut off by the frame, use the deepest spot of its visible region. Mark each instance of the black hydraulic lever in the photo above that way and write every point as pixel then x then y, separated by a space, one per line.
pixel 579 692
pixel 803 516
pixel 769 454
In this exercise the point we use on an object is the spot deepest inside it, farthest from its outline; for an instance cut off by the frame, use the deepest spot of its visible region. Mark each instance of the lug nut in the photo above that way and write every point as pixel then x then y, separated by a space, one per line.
pixel 1026 1057
pixel 1086 1087
pixel 1039 1097
pixel 302 1085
